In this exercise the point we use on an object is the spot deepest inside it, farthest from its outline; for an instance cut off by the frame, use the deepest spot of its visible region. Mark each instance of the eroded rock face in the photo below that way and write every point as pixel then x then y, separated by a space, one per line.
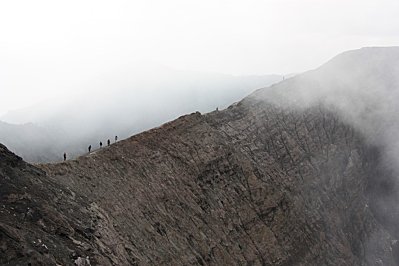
pixel 254 184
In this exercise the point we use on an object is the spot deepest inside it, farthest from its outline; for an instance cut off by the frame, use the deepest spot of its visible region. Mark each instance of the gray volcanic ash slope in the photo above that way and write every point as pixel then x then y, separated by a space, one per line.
pixel 277 179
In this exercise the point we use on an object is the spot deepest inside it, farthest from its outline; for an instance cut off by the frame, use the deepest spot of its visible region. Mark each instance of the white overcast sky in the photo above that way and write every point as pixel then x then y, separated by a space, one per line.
pixel 52 48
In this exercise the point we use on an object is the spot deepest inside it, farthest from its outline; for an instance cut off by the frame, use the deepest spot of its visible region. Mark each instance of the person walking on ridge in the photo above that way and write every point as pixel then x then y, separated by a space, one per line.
pixel 116 138
pixel 89 148
pixel 64 156
pixel 101 144
pixel 108 142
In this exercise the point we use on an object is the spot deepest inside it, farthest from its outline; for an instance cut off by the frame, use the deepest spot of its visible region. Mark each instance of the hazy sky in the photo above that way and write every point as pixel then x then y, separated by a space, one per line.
pixel 53 48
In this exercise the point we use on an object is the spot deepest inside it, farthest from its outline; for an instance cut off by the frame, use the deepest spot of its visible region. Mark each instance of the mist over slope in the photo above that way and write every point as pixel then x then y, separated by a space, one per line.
pixel 361 85
pixel 29 139
pixel 121 104
pixel 294 174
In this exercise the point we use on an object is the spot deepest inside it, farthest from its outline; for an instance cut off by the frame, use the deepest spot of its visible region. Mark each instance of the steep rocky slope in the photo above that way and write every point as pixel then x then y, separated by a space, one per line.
pixel 260 183
pixel 253 184
pixel 43 223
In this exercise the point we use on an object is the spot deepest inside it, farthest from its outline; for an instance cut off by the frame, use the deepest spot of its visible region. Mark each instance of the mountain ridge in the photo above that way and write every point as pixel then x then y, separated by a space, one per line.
pixel 274 179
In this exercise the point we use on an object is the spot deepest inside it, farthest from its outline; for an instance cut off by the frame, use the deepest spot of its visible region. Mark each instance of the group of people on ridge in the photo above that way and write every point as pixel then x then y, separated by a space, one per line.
pixel 89 148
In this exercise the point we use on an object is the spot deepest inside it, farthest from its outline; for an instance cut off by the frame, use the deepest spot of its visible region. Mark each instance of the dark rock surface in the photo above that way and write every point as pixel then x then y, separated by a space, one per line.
pixel 255 184
pixel 43 223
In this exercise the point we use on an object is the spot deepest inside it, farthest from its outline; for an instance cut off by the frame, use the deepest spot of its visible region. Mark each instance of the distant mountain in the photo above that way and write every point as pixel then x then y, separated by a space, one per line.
pixel 301 173
pixel 71 125
pixel 32 142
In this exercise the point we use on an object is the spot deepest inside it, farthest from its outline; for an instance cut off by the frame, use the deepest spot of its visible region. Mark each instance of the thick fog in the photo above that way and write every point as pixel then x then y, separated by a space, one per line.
pixel 362 85
pixel 122 103
pixel 56 49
